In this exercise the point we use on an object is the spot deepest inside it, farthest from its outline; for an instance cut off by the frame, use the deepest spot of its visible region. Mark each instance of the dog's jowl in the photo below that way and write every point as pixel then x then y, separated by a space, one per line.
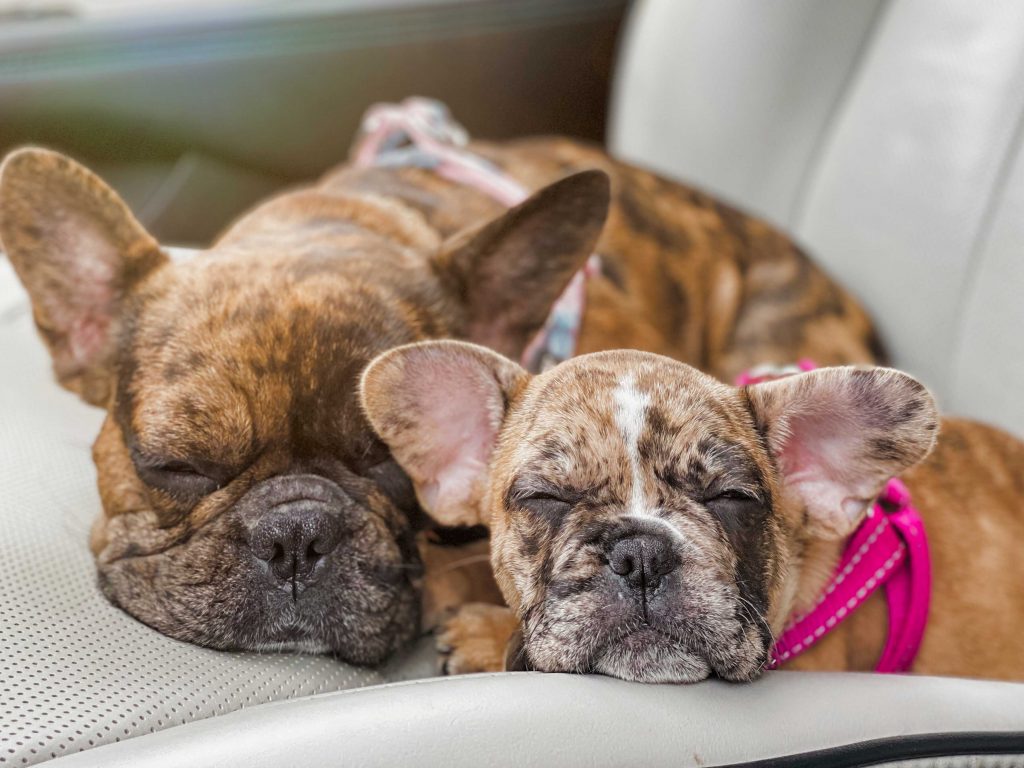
pixel 651 523
pixel 247 502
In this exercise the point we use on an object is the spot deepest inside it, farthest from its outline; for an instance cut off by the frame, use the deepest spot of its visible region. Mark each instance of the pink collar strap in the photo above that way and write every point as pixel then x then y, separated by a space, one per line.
pixel 889 549
pixel 421 132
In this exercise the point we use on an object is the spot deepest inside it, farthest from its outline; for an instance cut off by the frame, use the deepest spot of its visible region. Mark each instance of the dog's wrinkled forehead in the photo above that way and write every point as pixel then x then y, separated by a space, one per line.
pixel 224 355
pixel 627 421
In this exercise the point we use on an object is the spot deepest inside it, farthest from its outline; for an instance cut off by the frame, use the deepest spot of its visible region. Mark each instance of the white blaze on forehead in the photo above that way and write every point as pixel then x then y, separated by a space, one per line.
pixel 630 416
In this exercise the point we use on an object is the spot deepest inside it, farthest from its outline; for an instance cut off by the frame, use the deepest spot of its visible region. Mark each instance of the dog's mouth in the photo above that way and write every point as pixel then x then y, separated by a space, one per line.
pixel 647 654
pixel 656 649
pixel 296 576
pixel 356 633
pixel 360 620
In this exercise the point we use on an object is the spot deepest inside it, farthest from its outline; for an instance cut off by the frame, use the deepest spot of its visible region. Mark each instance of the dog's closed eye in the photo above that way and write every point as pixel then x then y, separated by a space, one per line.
pixel 183 480
pixel 179 480
pixel 541 499
pixel 736 508
pixel 545 505
pixel 730 494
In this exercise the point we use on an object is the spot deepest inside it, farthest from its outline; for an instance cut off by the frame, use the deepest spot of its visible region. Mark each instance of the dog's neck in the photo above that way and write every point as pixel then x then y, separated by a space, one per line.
pixel 335 212
pixel 816 566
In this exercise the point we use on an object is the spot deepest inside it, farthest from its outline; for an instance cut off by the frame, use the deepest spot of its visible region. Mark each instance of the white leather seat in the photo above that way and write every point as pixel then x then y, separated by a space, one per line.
pixel 524 719
pixel 885 134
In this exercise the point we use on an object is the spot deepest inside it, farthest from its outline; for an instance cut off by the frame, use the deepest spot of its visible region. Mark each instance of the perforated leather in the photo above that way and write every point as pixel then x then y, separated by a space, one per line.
pixel 74 671
pixel 885 135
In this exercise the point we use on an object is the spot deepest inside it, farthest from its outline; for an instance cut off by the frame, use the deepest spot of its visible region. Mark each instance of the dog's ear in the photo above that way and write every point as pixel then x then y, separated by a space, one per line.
pixel 79 251
pixel 508 273
pixel 439 405
pixel 838 434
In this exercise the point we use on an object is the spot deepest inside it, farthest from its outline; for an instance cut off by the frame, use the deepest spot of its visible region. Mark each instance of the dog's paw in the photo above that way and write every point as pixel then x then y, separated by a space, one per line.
pixel 473 639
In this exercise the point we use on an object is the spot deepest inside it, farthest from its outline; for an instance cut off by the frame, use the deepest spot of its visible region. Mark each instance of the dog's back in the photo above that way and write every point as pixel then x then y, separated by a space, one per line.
pixel 682 273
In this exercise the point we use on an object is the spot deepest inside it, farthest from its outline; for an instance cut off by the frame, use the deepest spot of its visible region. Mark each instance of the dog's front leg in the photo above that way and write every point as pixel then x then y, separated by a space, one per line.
pixel 463 607
pixel 475 638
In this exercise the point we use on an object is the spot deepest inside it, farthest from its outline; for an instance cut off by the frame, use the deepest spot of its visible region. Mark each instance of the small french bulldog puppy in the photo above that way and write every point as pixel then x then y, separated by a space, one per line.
pixel 651 523
pixel 247 503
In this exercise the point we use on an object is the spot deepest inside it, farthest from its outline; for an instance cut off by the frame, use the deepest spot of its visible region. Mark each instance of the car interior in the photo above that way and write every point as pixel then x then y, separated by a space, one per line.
pixel 885 135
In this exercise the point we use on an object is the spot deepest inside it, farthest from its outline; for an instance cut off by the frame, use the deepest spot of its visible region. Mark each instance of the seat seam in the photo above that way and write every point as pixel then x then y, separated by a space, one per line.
pixel 801 199
pixel 979 243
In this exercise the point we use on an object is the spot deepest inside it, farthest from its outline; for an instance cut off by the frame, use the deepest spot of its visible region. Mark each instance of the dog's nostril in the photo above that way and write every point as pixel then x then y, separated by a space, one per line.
pixel 316 552
pixel 322 545
pixel 621 565
pixel 277 554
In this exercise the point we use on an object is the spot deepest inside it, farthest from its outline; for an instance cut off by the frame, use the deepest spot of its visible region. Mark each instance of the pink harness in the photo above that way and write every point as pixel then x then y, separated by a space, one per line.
pixel 420 132
pixel 888 549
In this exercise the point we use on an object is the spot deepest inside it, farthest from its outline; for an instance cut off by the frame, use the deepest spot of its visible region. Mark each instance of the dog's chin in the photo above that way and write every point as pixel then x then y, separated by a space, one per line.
pixel 254 618
pixel 648 656
pixel 369 643
pixel 365 646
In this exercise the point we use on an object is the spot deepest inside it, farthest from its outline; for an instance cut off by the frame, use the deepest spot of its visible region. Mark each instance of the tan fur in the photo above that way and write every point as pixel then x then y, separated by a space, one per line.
pixel 455 576
pixel 970 491
pixel 692 278
pixel 474 639
pixel 559 436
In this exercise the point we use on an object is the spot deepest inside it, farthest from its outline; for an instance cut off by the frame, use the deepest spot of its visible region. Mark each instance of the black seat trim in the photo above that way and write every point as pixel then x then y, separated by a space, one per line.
pixel 877 751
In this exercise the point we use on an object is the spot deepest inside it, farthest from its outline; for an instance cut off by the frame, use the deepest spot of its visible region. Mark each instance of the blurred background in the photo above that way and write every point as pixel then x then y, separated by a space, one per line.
pixel 194 109
pixel 884 135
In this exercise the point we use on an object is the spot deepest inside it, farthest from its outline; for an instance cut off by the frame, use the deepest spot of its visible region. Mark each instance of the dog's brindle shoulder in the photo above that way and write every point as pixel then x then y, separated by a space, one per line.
pixel 247 503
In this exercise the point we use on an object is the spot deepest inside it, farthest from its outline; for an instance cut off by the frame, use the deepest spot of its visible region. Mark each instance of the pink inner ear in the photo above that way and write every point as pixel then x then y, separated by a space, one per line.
pixel 461 409
pixel 839 434
pixel 820 462
pixel 82 305
pixel 87 340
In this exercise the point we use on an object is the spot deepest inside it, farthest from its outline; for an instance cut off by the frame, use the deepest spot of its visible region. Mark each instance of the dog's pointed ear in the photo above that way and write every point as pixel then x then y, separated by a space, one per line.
pixel 508 273
pixel 439 405
pixel 838 434
pixel 79 251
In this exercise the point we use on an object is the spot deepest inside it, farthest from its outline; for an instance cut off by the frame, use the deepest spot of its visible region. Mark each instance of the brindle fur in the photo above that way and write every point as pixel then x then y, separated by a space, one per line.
pixel 242 362
pixel 684 274
pixel 700 281
pixel 746 564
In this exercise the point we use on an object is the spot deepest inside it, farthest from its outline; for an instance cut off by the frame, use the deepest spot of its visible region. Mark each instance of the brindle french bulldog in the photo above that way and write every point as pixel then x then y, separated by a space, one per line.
pixel 247 502
pixel 650 523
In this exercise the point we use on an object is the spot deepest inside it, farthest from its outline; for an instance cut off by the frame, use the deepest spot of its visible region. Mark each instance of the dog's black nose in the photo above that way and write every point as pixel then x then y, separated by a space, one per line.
pixel 293 538
pixel 642 560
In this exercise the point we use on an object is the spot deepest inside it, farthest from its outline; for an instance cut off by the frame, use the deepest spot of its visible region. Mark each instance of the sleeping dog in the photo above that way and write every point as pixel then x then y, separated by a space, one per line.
pixel 247 503
pixel 651 523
